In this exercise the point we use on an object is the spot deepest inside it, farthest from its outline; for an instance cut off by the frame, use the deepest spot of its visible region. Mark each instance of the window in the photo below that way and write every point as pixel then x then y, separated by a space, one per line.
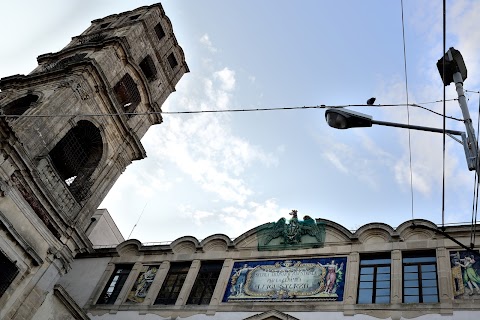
pixel 374 286
pixel 172 61
pixel 204 286
pixel 173 283
pixel 159 31
pixel 115 284
pixel 148 68
pixel 135 17
pixel 8 272
pixel 104 25
pixel 420 278
pixel 19 106
pixel 127 93
pixel 76 156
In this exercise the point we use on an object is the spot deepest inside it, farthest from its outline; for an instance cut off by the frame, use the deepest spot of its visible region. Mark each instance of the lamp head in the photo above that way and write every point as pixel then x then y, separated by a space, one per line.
pixel 452 65
pixel 344 118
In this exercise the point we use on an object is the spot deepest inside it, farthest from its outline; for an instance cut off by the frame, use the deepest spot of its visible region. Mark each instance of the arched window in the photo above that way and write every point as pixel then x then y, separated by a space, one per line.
pixel 148 68
pixel 76 156
pixel 19 106
pixel 127 93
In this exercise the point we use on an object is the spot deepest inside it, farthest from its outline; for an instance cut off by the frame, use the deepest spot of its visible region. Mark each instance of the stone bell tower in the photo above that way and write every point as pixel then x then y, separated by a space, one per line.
pixel 67 131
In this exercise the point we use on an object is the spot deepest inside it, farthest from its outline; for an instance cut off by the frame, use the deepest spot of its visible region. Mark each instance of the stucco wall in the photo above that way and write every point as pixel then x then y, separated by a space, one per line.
pixel 83 278
pixel 104 231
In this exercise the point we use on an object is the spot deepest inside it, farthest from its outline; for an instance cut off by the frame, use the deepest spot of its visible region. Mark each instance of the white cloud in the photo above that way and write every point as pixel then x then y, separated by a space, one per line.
pixel 351 159
pixel 226 78
pixel 241 219
pixel 203 147
pixel 205 40
pixel 330 156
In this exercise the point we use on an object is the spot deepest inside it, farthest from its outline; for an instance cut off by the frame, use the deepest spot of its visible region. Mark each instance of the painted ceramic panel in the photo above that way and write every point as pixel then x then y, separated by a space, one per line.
pixel 465 274
pixel 319 279
pixel 142 285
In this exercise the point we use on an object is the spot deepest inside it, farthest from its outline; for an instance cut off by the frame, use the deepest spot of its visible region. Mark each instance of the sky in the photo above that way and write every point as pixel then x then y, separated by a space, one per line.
pixel 230 172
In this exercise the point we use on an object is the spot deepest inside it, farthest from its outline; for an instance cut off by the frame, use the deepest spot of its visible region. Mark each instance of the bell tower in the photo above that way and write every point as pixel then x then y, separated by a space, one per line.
pixel 68 130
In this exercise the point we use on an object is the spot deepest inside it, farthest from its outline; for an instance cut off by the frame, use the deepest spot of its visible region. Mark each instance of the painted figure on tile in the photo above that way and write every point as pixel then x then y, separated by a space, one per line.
pixel 239 279
pixel 465 273
pixel 334 274
pixel 142 285
pixel 470 276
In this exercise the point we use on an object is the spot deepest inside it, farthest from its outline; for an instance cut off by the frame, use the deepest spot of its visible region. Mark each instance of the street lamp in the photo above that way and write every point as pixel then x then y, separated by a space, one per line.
pixel 341 118
pixel 452 69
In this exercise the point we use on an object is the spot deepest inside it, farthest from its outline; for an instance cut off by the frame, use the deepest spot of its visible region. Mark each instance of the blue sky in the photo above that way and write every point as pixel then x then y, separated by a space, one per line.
pixel 227 173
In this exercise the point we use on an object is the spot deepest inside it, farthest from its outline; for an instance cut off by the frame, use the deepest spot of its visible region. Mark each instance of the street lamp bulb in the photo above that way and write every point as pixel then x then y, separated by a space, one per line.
pixel 343 118
pixel 336 120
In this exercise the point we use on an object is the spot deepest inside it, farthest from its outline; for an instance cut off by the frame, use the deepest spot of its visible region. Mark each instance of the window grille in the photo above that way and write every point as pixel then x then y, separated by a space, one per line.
pixel 159 31
pixel 8 272
pixel 205 283
pixel 127 93
pixel 76 156
pixel 420 278
pixel 173 283
pixel 172 60
pixel 115 284
pixel 19 106
pixel 148 68
pixel 374 284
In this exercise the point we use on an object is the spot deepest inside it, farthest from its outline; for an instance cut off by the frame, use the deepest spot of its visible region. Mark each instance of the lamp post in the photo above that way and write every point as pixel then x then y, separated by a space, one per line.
pixel 452 69
pixel 455 71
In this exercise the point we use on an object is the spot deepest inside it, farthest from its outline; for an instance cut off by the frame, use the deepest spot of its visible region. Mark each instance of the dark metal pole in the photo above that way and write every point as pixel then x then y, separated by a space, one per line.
pixel 409 126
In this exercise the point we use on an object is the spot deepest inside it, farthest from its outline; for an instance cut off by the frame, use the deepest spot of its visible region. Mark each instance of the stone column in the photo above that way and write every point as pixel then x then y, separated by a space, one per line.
pixel 396 277
pixel 351 283
pixel 157 283
pixel 222 282
pixel 188 284
pixel 444 273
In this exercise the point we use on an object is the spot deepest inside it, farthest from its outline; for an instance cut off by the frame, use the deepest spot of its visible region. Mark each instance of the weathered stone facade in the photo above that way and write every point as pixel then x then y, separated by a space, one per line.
pixel 419 239
pixel 68 130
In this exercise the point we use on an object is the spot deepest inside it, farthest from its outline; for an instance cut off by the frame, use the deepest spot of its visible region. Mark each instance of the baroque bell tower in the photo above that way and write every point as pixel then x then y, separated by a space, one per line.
pixel 67 131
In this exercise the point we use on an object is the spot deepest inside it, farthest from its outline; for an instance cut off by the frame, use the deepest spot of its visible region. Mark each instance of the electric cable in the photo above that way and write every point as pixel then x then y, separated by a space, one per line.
pixel 473 231
pixel 417 105
pixel 408 110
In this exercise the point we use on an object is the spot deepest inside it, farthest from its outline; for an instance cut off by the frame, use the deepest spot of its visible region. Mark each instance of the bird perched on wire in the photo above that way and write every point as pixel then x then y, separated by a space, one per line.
pixel 371 101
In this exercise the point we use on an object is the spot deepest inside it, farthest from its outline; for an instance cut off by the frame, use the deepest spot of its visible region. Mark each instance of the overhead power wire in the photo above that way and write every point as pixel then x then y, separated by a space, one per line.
pixel 408 110
pixel 438 113
pixel 417 105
